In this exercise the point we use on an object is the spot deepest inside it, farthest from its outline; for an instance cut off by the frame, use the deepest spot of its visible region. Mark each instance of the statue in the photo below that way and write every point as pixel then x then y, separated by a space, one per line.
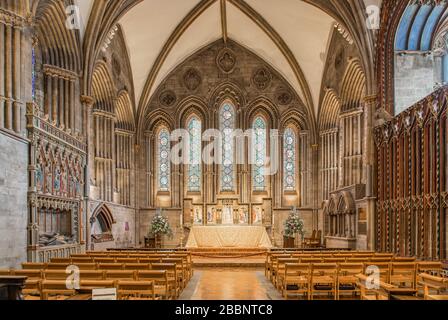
pixel 57 180
pixel 64 182
pixel 257 215
pixel 39 177
pixel 197 216
pixel 48 179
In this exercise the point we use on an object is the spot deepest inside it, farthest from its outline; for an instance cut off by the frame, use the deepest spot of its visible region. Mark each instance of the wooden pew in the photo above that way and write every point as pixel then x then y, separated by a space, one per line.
pixel 125 275
pixel 173 278
pixel 323 279
pixel 434 283
pixel 136 290
pixel 55 290
pixel 162 286
pixel 296 280
pixel 346 278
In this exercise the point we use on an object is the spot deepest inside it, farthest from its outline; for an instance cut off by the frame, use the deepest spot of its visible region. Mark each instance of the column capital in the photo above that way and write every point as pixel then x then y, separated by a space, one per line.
pixel 87 100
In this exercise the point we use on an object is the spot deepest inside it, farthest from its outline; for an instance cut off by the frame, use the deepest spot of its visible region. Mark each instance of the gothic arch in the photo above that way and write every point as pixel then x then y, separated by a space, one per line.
pixel 125 112
pixel 329 112
pixel 188 107
pixel 103 88
pixel 295 117
pixel 105 218
pixel 60 45
pixel 353 86
pixel 264 107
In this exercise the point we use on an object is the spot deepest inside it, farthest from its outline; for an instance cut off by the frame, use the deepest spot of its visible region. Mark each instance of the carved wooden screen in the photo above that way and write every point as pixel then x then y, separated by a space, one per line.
pixel 412 186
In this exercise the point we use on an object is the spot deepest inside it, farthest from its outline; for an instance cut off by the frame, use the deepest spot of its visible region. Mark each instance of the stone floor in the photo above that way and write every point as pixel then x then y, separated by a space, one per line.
pixel 229 284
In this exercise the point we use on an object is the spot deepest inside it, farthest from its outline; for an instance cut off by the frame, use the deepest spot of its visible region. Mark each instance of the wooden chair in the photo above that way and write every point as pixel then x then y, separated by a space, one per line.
pixel 383 268
pixel 61 260
pixel 347 280
pixel 403 274
pixel 97 284
pixel 150 260
pixel 404 259
pixel 307 241
pixel 367 292
pixel 58 266
pixel 375 260
pixel 32 289
pixel 30 274
pixel 161 283
pixel 91 275
pixel 82 260
pixel 55 275
pixel 296 280
pixel 6 272
pixel 181 269
pixel 323 279
pixel 110 266
pixel 33 266
pixel 55 290
pixel 137 266
pixel 173 278
pixel 432 283
pixel 126 260
pixel 317 242
pixel 136 290
pixel 124 275
pixel 430 267
pixel 86 266
pixel 279 271
pixel 335 260
pixel 311 260
pixel 104 260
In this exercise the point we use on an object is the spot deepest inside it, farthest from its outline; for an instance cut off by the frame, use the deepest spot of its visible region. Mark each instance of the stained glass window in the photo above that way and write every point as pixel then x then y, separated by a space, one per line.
pixel 227 125
pixel 289 160
pixel 195 153
pixel 164 165
pixel 259 153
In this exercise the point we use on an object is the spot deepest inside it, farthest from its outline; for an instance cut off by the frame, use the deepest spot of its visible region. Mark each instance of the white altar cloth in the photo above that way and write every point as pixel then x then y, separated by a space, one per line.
pixel 228 237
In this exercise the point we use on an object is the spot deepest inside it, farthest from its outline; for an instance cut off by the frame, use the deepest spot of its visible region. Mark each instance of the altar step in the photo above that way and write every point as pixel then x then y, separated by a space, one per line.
pixel 229 257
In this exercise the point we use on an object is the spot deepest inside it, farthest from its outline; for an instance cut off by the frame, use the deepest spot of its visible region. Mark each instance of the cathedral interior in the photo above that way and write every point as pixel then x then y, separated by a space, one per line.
pixel 346 100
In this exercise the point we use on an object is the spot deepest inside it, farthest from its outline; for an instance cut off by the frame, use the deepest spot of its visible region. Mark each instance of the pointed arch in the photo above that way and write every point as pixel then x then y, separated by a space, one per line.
pixel 103 88
pixel 227 125
pixel 353 86
pixel 329 112
pixel 125 112
pixel 194 126
pixel 103 215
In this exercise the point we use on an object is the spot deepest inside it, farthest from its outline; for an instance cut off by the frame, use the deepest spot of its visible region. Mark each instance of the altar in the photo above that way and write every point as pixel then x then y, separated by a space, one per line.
pixel 228 237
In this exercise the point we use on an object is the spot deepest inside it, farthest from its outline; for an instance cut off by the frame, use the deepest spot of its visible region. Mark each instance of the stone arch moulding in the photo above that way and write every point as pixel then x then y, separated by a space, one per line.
pixel 105 218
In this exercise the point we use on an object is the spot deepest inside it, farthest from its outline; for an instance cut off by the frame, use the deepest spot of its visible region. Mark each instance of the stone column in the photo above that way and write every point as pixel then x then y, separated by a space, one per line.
pixel 368 168
pixel 87 105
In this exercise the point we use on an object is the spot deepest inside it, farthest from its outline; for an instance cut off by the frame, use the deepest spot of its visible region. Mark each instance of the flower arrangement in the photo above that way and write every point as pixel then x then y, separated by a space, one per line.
pixel 294 225
pixel 160 226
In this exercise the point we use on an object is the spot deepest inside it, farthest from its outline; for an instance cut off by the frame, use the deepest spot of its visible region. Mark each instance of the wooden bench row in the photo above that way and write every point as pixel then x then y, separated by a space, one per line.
pixel 336 278
pixel 272 263
pixel 168 284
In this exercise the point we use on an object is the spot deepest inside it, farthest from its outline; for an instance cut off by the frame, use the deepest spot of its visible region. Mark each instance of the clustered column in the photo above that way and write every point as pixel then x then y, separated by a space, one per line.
pixel 11 95
pixel 124 163
pixel 59 104
pixel 329 162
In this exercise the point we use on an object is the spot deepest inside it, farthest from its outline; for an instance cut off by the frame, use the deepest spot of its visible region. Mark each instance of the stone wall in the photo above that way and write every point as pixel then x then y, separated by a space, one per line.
pixel 13 199
pixel 415 77
pixel 144 222
pixel 124 228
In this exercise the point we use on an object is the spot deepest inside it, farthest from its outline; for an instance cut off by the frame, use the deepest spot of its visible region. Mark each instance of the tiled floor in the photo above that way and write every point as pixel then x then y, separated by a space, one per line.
pixel 230 284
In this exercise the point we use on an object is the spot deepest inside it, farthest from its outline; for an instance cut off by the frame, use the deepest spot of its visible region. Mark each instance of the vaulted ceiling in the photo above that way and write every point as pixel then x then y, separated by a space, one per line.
pixel 291 35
